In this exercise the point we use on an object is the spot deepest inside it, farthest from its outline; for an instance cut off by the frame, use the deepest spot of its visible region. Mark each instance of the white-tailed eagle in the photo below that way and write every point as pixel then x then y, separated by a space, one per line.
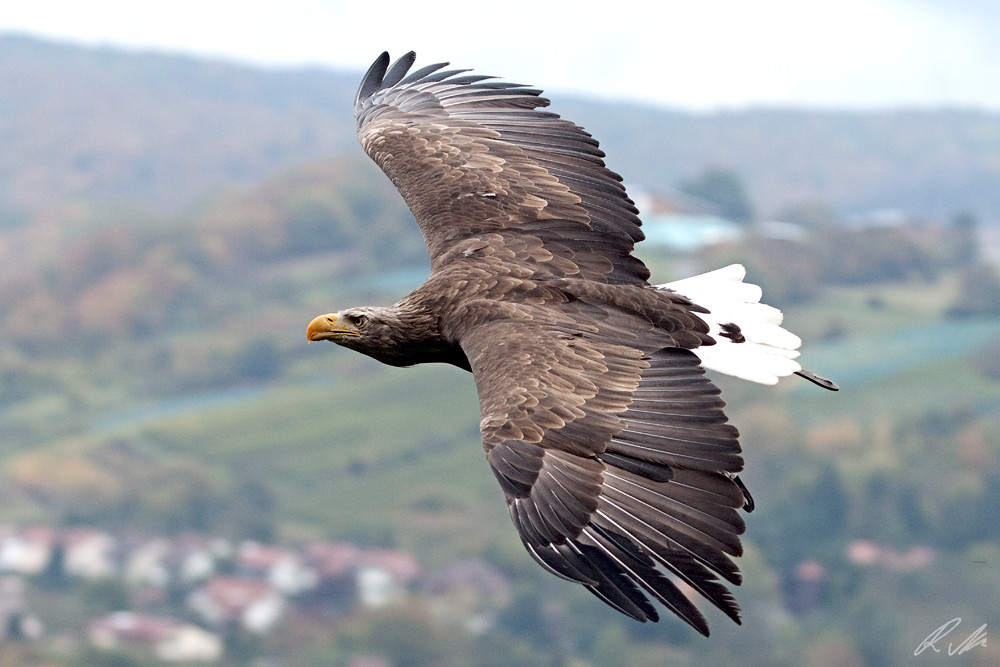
pixel 608 440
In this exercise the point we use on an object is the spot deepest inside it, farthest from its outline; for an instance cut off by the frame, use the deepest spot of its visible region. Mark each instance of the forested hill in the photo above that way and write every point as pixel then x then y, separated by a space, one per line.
pixel 158 130
pixel 155 129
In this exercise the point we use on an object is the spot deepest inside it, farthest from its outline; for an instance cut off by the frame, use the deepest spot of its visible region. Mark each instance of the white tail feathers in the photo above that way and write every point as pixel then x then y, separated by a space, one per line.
pixel 767 352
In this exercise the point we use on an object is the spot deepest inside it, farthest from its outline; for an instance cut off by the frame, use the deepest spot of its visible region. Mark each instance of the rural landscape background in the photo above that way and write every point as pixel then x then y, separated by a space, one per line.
pixel 168 227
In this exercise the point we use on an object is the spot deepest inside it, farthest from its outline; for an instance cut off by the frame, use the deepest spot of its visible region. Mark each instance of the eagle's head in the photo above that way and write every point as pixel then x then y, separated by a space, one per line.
pixel 364 329
pixel 392 335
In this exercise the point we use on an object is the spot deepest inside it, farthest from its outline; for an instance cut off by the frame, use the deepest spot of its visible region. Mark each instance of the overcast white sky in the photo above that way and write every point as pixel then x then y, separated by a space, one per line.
pixel 696 55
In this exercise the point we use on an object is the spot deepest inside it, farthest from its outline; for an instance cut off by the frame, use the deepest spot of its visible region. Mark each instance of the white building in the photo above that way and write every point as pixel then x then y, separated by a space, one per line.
pixel 233 601
pixel 167 638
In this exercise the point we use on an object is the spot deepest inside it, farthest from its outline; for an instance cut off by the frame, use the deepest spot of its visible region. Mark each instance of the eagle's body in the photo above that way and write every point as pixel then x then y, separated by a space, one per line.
pixel 610 444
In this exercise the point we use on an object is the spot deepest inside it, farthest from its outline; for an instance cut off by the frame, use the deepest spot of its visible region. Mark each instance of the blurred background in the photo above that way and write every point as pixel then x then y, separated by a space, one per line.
pixel 183 478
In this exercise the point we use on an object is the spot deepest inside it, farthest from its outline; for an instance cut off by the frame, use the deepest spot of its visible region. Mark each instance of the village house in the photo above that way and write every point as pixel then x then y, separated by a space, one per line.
pixel 683 223
pixel 146 563
pixel 866 553
pixel 184 560
pixel 167 638
pixel 26 550
pixel 83 552
pixel 195 557
pixel 383 576
pixel 226 602
pixel 89 553
pixel 335 566
pixel 283 568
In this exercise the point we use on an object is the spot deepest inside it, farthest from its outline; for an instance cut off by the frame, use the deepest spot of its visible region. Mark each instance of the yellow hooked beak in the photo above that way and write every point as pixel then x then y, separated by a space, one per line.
pixel 330 327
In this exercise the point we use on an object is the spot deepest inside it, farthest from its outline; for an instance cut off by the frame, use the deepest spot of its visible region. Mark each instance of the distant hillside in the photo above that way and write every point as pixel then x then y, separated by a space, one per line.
pixel 929 163
pixel 151 128
pixel 157 130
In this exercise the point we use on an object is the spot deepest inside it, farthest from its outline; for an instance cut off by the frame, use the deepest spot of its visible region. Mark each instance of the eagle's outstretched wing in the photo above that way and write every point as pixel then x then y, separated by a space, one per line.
pixel 473 156
pixel 617 464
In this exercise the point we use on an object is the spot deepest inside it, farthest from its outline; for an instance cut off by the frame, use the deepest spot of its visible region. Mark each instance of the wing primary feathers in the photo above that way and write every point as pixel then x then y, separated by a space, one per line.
pixel 476 78
pixel 631 560
pixel 436 76
pixel 372 80
pixel 563 565
pixel 653 471
pixel 398 70
pixel 614 585
pixel 748 504
pixel 421 73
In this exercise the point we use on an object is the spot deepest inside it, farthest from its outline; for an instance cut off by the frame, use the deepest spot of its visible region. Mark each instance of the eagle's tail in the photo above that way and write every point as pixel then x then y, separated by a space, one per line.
pixel 750 341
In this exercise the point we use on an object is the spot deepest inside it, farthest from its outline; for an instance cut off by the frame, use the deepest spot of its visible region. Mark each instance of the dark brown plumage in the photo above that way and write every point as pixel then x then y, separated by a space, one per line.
pixel 608 440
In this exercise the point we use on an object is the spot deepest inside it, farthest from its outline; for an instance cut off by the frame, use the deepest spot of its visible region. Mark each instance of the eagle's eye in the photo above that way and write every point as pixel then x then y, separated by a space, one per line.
pixel 357 321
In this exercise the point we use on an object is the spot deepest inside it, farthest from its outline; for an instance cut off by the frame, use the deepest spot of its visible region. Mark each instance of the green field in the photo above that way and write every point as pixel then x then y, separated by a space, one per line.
pixel 352 449
pixel 340 447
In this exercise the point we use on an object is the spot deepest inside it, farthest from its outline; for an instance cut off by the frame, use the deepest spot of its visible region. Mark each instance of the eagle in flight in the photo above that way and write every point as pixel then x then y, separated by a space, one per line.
pixel 610 443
